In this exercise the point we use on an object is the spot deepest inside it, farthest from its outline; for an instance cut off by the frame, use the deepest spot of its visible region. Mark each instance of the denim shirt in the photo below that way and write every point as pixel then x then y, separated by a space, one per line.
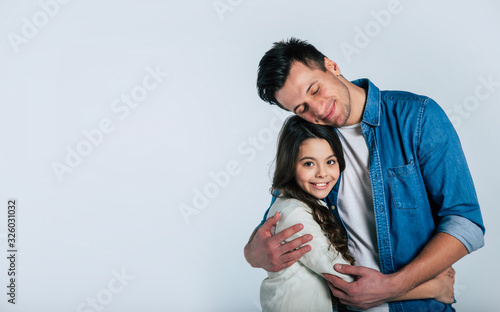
pixel 420 181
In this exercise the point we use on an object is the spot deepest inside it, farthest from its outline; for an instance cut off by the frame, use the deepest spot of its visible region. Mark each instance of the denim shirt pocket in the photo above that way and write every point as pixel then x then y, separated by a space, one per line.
pixel 405 189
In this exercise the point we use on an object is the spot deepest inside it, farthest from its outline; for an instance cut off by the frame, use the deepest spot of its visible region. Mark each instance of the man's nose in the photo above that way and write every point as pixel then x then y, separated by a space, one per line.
pixel 318 108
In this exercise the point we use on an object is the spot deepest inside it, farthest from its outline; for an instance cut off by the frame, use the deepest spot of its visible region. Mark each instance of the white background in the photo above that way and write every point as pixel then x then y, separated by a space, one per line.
pixel 118 208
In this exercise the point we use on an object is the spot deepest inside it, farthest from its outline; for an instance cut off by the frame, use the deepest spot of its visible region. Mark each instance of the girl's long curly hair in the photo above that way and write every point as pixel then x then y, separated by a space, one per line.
pixel 294 132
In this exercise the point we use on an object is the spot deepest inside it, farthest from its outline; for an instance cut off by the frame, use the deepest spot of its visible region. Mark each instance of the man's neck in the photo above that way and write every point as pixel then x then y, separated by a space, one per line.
pixel 358 102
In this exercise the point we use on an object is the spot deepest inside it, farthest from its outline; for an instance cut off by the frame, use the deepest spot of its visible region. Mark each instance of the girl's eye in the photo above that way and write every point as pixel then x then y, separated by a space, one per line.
pixel 308 164
pixel 331 162
pixel 316 91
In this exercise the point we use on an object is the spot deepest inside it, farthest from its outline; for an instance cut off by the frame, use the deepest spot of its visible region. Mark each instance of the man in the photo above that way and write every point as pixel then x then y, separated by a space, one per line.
pixel 406 199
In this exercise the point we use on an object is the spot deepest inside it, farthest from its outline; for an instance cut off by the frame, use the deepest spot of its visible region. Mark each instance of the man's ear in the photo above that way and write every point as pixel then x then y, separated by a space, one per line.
pixel 332 66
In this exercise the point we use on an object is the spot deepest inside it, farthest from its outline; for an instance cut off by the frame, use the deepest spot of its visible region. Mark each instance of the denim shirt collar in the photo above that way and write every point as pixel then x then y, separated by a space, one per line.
pixel 371 115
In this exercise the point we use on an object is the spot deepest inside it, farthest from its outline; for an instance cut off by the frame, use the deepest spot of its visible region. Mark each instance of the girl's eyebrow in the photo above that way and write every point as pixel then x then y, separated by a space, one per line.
pixel 307 157
pixel 312 158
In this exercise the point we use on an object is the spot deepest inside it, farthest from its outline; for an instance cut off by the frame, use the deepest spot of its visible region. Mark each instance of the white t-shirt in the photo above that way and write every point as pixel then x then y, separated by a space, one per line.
pixel 355 201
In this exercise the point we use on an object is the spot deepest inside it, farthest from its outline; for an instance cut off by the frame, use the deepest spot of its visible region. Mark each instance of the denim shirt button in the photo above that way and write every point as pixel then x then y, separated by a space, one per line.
pixel 333 207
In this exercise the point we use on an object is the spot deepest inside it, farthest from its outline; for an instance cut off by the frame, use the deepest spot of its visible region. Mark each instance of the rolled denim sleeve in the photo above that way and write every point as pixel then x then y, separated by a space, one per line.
pixel 466 231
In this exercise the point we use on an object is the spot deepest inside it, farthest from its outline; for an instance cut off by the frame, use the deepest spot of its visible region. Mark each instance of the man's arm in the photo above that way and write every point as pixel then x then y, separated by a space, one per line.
pixel 439 288
pixel 264 250
pixel 373 288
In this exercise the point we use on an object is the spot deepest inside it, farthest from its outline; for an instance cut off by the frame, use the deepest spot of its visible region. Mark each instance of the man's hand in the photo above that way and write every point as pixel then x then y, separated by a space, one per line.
pixel 370 289
pixel 443 286
pixel 265 250
pixel 373 288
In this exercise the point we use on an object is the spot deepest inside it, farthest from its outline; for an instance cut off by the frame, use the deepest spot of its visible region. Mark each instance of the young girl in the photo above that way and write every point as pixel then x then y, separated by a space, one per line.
pixel 308 164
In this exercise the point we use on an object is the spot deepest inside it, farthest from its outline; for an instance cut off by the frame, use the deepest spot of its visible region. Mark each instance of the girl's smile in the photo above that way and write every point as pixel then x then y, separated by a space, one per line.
pixel 317 168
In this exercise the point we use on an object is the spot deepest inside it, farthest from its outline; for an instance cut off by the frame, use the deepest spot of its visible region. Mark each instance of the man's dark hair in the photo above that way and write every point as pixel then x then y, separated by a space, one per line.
pixel 274 67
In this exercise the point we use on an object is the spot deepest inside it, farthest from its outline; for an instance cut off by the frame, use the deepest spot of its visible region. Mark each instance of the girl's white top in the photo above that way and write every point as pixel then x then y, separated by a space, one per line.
pixel 301 287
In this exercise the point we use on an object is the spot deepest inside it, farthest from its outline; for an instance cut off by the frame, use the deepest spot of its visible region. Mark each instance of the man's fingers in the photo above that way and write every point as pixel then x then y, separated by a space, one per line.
pixel 336 282
pixel 283 261
pixel 337 292
pixel 267 226
pixel 450 272
pixel 294 244
pixel 295 254
pixel 287 254
pixel 285 265
pixel 348 269
pixel 286 233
